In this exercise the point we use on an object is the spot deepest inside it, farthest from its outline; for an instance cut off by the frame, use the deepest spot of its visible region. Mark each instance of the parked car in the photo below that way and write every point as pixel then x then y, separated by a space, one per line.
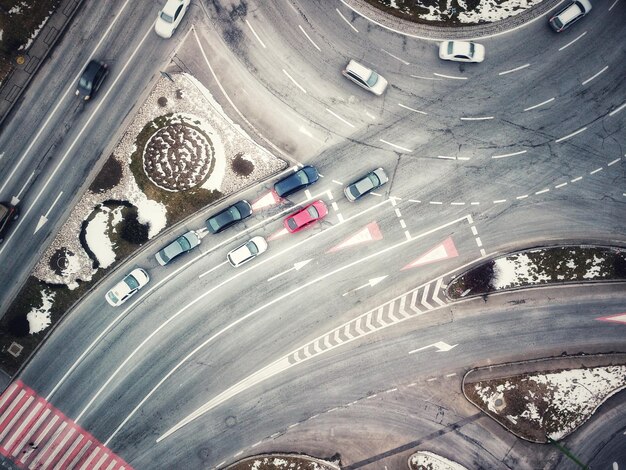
pixel 127 287
pixel 170 17
pixel 8 214
pixel 181 245
pixel 365 77
pixel 91 79
pixel 461 51
pixel 246 252
pixel 302 178
pixel 569 15
pixel 227 217
pixel 362 186
pixel 306 216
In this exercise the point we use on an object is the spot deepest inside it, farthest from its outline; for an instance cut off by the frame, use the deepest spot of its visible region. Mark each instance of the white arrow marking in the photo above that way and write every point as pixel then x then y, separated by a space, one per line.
pixel 44 218
pixel 16 199
pixel 296 266
pixel 440 345
pixel 370 283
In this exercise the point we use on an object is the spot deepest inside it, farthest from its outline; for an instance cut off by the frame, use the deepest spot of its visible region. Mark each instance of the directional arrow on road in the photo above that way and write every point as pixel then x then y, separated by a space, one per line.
pixel 440 345
pixel 371 283
pixel 44 218
pixel 296 267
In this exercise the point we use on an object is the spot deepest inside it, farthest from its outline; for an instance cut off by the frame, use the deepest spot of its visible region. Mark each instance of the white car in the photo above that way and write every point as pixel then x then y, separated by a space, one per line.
pixel 365 77
pixel 461 51
pixel 127 287
pixel 249 250
pixel 170 17
pixel 569 15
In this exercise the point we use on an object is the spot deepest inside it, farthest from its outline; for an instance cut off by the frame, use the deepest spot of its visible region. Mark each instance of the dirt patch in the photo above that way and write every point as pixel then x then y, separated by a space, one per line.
pixel 109 176
pixel 241 165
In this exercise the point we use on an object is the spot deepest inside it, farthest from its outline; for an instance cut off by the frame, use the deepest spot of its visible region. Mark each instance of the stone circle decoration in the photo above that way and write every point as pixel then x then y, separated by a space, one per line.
pixel 178 157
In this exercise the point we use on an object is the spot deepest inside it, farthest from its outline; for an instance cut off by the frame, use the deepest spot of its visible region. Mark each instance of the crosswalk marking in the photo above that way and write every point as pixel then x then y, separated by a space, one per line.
pixel 39 436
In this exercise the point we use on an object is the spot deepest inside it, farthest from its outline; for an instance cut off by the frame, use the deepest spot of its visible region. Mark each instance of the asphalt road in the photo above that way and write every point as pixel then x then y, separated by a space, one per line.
pixel 521 150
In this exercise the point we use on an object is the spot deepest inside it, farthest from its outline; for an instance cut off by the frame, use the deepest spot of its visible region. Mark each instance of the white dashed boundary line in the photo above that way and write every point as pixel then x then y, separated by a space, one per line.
pixel 540 104
pixel 514 70
pixel 572 42
pixel 571 135
pixel 396 146
pixel 294 81
pixel 411 109
pixel 256 35
pixel 309 38
pixel 340 118
pixel 452 77
pixel 594 76
pixel 346 20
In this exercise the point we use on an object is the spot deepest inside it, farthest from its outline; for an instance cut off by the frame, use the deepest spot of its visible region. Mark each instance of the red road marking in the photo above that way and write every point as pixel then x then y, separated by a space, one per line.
pixel 368 233
pixel 443 250
pixel 280 233
pixel 269 199
pixel 34 434
pixel 619 318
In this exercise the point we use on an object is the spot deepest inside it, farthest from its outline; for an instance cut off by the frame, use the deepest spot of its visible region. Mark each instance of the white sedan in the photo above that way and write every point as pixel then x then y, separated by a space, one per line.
pixel 127 287
pixel 170 17
pixel 461 51
pixel 249 250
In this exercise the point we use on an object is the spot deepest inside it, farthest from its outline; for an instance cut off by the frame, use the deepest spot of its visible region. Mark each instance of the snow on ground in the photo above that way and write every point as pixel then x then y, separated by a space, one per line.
pixel 97 239
pixel 39 318
pixel 516 270
pixel 25 47
pixel 432 461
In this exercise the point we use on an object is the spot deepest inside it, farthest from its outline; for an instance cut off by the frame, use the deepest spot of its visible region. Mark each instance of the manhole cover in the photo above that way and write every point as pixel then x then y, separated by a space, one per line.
pixel 62 262
pixel 231 421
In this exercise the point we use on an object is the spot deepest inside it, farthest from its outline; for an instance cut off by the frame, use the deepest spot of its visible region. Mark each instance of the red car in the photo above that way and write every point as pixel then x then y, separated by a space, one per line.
pixel 306 216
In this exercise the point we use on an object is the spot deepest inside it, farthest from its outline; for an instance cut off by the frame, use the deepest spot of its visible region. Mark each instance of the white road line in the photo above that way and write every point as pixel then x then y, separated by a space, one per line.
pixel 375 194
pixel 435 202
pixel 398 213
pixel 346 20
pixel 571 135
pixel 411 109
pixel 337 182
pixel 396 146
pixel 479 242
pixel 292 425
pixel 19 194
pixel 475 203
pixel 53 204
pixel 426 78
pixel 457 203
pixel 255 34
pixel 615 111
pixel 576 179
pixel 212 269
pixel 522 197
pixel 307 194
pixel 484 118
pixel 542 191
pixel 499 201
pixel 414 200
pixel 515 69
pixel 335 206
pixel 340 218
pixel 445 157
pixel 572 41
pixel 407 235
pixel 560 185
pixel 483 253
pixel 474 230
pixel 396 57
pixel 594 76
pixel 340 118
pixel 294 81
pixel 70 88
pixel 431 379
pixel 614 161
pixel 309 38
pixel 595 171
pixel 452 77
pixel 540 104
pixel 610 8
pixel 451 375
pixel 509 154
pixel 402 223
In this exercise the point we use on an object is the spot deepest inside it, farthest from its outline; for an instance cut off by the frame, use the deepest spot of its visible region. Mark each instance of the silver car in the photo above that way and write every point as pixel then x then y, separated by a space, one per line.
pixel 181 245
pixel 569 15
pixel 127 287
pixel 362 186
pixel 365 77
pixel 246 252
pixel 461 51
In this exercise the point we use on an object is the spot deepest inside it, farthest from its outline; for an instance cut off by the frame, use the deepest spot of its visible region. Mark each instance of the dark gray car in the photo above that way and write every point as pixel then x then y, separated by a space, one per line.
pixel 227 217
pixel 181 245
pixel 302 178
pixel 91 79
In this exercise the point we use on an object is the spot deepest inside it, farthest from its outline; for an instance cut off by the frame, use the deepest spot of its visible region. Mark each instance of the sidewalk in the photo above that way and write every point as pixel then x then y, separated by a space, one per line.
pixel 18 80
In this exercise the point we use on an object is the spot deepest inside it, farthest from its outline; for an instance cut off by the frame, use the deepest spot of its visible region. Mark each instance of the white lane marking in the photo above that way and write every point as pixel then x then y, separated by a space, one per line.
pixel 255 34
pixel 444 157
pixel 509 154
pixel 253 445
pixel 19 194
pixel 212 269
pixel 522 197
pixel 414 200
pixel 309 38
pixel 474 230
pixel 292 425
pixel 451 375
pixel 411 109
pixel 396 146
pixel 595 171
pixel 615 111
pixel 484 118
pixel 44 218
pixel 457 203
pixel 396 57
pixel 335 206
pixel 572 41
pixel 70 88
pixel 370 115
pixel 308 195
pixel 346 20
pixel 560 185
pixel 610 8
pixel 576 179
pixel 515 69
pixel 540 104
pixel 425 78
pixel 402 223
pixel 431 379
pixel 582 129
pixel 337 182
pixel 407 235
pixel 542 191
pixel 499 201
pixel 479 242
pixel 474 203
pixel 594 76
pixel 452 77
pixel 435 202
pixel 294 81
pixel 614 161
pixel 340 118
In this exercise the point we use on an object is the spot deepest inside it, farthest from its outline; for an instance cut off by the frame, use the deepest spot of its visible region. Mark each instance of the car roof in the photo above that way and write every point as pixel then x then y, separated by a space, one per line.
pixel 361 70
pixel 171 6
pixel 461 47
pixel 92 69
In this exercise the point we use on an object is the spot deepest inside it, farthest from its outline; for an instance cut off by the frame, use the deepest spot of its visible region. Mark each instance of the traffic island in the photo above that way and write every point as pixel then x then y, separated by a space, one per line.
pixel 540 267
pixel 429 461
pixel 282 461
pixel 545 400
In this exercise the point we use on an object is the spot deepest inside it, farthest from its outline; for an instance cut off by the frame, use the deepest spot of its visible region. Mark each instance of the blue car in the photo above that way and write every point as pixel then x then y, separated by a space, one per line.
pixel 302 178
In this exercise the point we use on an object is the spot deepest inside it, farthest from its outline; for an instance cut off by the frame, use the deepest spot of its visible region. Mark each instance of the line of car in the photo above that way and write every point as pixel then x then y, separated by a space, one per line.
pixel 257 245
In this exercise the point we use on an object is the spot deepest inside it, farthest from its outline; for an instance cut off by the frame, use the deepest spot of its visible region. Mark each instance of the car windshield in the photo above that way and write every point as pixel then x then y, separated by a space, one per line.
pixel 313 212
pixel 450 48
pixel 113 297
pixel 373 79
pixel 253 248
pixel 85 83
pixel 165 17
pixel 131 282
pixel 471 49
pixel 3 211
pixel 235 213
pixel 184 244
pixel 292 223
